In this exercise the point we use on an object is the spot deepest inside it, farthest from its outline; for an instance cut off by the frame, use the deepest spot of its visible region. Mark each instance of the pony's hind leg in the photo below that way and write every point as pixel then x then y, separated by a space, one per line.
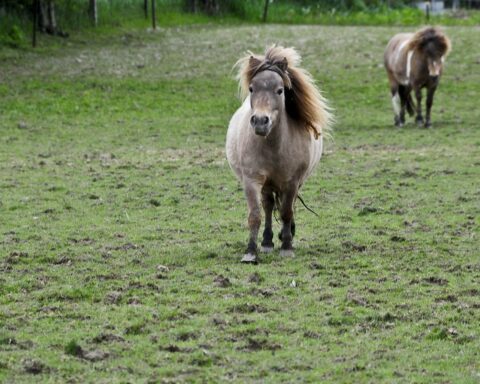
pixel 395 99
pixel 404 94
pixel 252 192
pixel 418 95
pixel 268 202
pixel 288 225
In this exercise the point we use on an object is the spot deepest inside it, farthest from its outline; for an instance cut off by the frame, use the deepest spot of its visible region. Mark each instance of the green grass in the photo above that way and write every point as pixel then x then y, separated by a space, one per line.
pixel 120 220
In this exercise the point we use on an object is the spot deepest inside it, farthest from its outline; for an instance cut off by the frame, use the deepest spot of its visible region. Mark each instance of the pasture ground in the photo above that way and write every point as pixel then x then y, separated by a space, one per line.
pixel 122 226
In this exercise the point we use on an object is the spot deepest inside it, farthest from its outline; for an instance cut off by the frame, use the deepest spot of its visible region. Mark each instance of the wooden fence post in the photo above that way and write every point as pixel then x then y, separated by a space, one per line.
pixel 34 29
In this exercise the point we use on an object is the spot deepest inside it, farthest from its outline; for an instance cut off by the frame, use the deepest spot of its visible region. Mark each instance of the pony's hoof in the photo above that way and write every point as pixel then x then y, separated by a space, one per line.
pixel 428 124
pixel 266 249
pixel 287 253
pixel 419 121
pixel 250 258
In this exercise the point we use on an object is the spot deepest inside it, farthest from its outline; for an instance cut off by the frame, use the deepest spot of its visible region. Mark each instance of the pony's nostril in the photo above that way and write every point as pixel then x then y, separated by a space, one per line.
pixel 253 120
pixel 265 120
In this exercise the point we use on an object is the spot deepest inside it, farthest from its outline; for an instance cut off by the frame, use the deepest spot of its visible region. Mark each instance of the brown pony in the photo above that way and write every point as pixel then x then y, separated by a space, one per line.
pixel 414 61
pixel 274 140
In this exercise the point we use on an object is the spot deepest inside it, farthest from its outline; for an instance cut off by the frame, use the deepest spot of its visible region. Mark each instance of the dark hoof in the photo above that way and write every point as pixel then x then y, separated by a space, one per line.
pixel 419 120
pixel 428 124
pixel 398 123
pixel 250 258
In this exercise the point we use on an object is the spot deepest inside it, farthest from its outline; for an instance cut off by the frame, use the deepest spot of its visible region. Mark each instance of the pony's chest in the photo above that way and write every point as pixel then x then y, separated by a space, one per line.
pixel 280 166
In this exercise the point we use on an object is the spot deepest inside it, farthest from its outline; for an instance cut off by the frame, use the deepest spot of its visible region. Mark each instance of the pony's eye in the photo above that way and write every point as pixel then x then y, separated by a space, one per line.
pixel 280 91
pixel 250 89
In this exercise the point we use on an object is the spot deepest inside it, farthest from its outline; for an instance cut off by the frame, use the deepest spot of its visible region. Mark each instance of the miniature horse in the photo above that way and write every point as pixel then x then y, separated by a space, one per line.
pixel 414 61
pixel 274 140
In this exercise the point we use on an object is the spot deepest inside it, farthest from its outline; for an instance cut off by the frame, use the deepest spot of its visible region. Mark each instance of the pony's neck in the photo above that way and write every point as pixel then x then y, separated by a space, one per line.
pixel 280 130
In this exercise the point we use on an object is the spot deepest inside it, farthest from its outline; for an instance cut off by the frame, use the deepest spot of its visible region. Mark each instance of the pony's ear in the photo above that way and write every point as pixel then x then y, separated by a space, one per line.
pixel 283 65
pixel 254 62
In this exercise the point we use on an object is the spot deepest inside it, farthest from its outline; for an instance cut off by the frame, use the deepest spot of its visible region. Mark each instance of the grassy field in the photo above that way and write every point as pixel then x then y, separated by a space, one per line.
pixel 122 226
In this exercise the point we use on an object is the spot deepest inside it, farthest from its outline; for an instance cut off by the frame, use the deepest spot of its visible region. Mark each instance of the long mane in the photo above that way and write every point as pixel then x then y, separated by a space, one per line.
pixel 430 36
pixel 303 100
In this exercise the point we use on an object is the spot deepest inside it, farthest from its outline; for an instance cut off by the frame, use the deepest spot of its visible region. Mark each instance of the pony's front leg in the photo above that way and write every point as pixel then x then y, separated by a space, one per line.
pixel 418 95
pixel 268 202
pixel 286 212
pixel 252 192
pixel 430 93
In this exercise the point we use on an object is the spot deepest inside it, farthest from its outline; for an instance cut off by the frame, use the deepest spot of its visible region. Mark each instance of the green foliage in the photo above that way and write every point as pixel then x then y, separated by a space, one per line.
pixel 13 37
pixel 73 348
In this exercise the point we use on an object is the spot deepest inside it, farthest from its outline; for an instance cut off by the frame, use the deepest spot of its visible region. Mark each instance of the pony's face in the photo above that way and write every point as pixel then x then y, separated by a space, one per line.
pixel 267 100
pixel 435 66
pixel 435 57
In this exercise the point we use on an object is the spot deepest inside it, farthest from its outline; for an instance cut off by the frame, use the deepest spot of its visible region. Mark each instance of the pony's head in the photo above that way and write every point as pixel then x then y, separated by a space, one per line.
pixel 267 94
pixel 275 84
pixel 434 46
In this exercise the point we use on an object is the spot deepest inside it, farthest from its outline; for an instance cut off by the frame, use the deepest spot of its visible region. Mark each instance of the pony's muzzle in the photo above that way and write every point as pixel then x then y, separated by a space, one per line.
pixel 261 124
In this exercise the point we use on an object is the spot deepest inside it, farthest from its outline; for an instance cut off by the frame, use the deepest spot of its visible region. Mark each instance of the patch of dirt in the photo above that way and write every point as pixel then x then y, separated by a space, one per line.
pixel 262 292
pixel 175 349
pixel 83 241
pixel 355 298
pixel 113 297
pixel 446 299
pixel 255 278
pixel 15 257
pixel 260 344
pixel 107 338
pixel 124 247
pixel 311 335
pixel 62 260
pixel 163 268
pixel 155 202
pixel 471 292
pixel 315 265
pixel 349 245
pixel 34 367
pixel 398 239
pixel 367 210
pixel 435 280
pixel 95 355
pixel 222 282
pixel 219 322
pixel 184 336
pixel 248 308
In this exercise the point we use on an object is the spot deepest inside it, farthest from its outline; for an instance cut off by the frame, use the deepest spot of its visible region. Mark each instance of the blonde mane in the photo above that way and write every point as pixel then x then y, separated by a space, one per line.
pixel 303 100
pixel 433 35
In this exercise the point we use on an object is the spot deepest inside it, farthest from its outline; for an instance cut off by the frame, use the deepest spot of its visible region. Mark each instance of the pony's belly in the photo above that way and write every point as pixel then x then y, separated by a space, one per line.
pixel 233 142
pixel 316 149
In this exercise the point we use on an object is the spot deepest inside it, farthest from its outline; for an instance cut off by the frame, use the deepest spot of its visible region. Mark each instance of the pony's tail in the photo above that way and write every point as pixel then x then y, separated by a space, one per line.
pixel 407 99
pixel 410 105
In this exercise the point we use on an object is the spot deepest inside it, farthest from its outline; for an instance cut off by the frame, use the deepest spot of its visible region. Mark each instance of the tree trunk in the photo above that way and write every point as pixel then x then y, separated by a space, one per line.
pixel 191 6
pixel 92 12
pixel 154 16
pixel 145 8
pixel 34 29
pixel 47 22
pixel 265 11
